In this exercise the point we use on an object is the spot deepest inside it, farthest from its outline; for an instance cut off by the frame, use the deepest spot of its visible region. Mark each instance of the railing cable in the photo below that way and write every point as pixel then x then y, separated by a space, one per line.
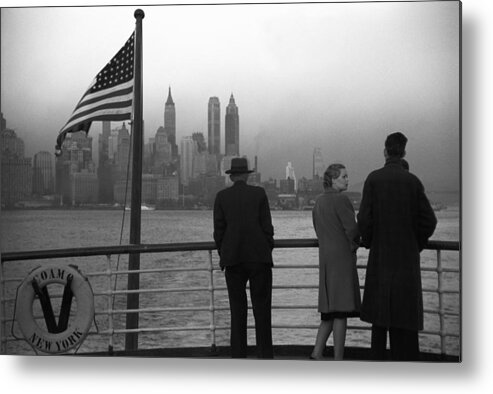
pixel 123 220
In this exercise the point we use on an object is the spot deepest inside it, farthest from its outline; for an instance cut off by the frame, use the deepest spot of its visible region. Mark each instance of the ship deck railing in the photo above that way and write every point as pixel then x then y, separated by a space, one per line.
pixel 108 290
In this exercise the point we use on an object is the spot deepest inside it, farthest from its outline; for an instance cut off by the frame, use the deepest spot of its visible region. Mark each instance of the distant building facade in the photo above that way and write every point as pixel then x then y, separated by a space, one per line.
pixel 84 187
pixel 76 178
pixel 163 152
pixel 286 186
pixel 16 170
pixel 291 175
pixel 43 181
pixel 188 152
pixel 105 180
pixel 318 164
pixel 123 190
pixel 167 191
pixel 214 126
pixel 16 180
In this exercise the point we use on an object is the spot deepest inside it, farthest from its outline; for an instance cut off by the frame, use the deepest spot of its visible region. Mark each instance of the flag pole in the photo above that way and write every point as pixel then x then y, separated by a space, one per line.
pixel 132 319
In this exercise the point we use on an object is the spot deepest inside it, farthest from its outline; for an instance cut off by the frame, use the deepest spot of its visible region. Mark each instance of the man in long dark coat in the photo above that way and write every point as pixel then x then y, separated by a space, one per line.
pixel 395 220
pixel 244 237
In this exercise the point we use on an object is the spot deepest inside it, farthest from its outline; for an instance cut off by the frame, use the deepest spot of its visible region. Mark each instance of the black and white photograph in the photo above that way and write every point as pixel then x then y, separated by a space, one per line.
pixel 248 183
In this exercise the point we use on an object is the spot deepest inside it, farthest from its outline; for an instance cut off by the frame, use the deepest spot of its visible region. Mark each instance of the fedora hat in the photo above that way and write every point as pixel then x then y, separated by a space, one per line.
pixel 239 165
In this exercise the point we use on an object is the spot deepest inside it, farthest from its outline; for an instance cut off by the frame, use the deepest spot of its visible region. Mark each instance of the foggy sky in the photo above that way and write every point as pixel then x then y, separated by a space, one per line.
pixel 336 76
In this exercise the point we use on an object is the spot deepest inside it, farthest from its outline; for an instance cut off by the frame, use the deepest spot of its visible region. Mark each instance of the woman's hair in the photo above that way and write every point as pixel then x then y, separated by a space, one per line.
pixel 332 172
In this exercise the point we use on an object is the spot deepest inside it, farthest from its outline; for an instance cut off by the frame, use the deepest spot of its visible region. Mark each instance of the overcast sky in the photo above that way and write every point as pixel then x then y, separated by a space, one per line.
pixel 336 76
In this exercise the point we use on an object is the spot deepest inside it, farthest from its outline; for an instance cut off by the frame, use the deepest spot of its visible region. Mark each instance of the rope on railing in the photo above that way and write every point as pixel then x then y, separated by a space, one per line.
pixel 212 304
pixel 109 299
pixel 3 320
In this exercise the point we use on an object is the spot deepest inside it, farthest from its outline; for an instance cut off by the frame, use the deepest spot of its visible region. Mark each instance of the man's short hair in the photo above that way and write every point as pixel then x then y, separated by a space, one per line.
pixel 395 144
pixel 242 176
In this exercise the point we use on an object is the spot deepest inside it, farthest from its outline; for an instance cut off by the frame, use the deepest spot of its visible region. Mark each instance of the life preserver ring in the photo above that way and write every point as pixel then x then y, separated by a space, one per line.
pixel 74 328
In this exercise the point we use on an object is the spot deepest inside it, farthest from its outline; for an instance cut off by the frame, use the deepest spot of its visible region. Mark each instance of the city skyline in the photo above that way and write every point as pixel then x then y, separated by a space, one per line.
pixel 196 175
pixel 335 79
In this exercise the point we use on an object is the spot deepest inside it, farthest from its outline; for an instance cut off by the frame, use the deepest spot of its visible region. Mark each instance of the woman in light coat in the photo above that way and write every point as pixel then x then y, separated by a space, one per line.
pixel 338 236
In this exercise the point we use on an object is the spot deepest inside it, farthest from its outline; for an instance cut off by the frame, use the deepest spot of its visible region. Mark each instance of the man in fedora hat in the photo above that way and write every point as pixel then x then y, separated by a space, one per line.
pixel 244 238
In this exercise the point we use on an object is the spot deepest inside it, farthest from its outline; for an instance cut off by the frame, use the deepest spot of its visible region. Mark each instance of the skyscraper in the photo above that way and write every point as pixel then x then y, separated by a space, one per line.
pixel 232 129
pixel 291 175
pixel 43 173
pixel 318 164
pixel 105 179
pixel 188 148
pixel 163 151
pixel 214 126
pixel 76 178
pixel 104 141
pixel 16 170
pixel 170 124
pixel 123 153
pixel 11 144
pixel 200 140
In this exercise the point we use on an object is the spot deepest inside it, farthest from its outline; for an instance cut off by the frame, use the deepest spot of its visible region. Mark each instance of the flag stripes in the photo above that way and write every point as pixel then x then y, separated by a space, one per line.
pixel 118 101
pixel 109 96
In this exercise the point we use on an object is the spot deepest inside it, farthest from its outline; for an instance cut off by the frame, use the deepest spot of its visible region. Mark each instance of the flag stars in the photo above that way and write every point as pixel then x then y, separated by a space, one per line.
pixel 118 70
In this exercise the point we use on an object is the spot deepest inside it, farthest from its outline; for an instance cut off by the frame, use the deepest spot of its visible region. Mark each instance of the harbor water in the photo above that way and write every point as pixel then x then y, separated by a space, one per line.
pixel 24 230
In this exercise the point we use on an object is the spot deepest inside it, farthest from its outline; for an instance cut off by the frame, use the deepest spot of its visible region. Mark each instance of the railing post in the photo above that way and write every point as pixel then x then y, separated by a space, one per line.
pixel 440 303
pixel 3 318
pixel 211 305
pixel 109 300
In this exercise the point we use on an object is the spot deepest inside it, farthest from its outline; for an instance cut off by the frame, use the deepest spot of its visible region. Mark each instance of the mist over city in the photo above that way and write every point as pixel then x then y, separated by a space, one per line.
pixel 335 77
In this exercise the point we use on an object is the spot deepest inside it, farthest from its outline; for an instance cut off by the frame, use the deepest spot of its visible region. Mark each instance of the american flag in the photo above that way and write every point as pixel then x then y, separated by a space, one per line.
pixel 109 97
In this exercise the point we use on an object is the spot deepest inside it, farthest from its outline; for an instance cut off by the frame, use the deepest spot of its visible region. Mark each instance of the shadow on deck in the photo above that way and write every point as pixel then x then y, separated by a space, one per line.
pixel 283 352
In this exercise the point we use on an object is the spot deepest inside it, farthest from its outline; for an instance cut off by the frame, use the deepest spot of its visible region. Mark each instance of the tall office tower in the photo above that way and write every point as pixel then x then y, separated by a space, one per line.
pixel 188 150
pixel 214 126
pixel 106 128
pixel 103 146
pixel 11 144
pixel 81 150
pixel 147 155
pixel 162 151
pixel 104 167
pixel 318 164
pixel 16 170
pixel 113 144
pixel 200 140
pixel 170 124
pixel 199 165
pixel 232 129
pixel 225 165
pixel 122 156
pixel 255 177
pixel 291 175
pixel 76 178
pixel 201 157
pixel 42 173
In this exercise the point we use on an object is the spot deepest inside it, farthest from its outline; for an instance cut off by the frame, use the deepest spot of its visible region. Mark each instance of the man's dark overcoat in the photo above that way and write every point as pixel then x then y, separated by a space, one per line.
pixel 243 229
pixel 395 220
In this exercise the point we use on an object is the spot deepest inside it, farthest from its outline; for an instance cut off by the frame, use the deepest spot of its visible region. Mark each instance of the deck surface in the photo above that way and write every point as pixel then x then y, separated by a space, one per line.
pixel 284 352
